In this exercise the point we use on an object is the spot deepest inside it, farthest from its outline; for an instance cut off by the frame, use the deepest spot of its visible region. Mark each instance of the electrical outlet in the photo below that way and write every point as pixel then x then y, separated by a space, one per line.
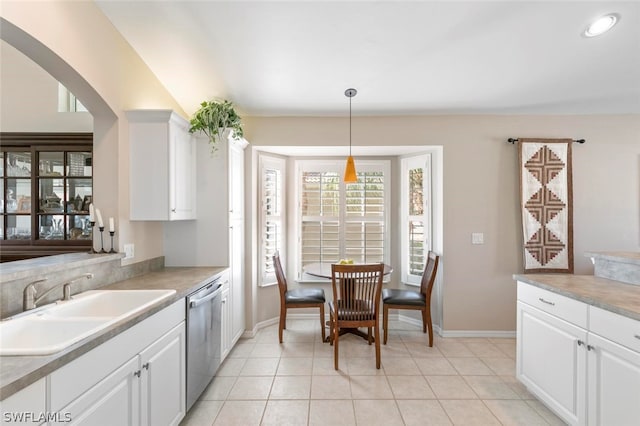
pixel 129 251
pixel 477 238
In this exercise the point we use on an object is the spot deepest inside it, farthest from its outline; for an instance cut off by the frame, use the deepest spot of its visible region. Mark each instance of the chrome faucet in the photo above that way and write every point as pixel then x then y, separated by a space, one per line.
pixel 30 301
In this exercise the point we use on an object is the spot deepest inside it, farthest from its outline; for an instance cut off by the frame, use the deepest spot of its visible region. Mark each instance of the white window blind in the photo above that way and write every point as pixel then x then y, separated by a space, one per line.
pixel 364 218
pixel 339 220
pixel 416 206
pixel 320 208
pixel 271 215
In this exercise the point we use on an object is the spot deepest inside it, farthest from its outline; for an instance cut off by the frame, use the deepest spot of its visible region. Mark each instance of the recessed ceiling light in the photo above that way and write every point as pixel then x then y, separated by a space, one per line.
pixel 601 25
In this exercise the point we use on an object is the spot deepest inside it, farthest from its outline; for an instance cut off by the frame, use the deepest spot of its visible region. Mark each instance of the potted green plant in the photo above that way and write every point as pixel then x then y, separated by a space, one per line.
pixel 213 118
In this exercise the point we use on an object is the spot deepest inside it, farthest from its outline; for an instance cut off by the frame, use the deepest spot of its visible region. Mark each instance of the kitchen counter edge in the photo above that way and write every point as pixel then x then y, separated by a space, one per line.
pixel 18 372
pixel 613 296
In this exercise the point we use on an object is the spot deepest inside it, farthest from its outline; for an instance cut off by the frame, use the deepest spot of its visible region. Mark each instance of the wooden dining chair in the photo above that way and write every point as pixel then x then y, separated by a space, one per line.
pixel 356 302
pixel 296 298
pixel 409 299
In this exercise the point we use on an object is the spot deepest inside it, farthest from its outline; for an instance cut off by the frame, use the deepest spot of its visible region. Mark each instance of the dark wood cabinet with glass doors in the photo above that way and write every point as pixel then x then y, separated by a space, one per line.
pixel 46 189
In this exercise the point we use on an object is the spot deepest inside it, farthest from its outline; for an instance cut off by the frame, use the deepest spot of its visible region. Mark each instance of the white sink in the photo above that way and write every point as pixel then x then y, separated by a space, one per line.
pixel 107 303
pixel 37 335
pixel 57 327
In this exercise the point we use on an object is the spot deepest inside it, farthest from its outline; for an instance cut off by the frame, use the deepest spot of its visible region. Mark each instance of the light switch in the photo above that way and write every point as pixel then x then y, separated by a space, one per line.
pixel 477 238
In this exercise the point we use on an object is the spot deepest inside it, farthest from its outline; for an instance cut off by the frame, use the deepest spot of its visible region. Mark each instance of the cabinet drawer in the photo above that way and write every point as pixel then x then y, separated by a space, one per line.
pixel 561 306
pixel 617 328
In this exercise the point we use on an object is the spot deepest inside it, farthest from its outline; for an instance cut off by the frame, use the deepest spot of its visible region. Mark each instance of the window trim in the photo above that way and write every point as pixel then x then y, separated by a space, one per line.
pixel 423 160
pixel 266 161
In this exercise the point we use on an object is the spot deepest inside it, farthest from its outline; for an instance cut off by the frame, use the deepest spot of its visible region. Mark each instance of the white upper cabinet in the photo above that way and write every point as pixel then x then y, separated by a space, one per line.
pixel 162 166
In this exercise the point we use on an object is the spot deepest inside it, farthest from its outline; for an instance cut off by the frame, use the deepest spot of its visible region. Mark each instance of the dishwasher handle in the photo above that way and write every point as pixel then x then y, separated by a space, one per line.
pixel 198 302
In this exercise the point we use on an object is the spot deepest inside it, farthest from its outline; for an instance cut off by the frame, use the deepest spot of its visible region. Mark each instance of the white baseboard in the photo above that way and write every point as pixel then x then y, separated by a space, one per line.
pixel 479 333
pixel 456 333
pixel 248 334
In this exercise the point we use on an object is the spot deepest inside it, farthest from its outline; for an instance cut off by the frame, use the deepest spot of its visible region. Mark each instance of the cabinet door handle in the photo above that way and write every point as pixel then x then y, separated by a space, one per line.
pixel 580 343
pixel 145 365
pixel 546 301
pixel 589 348
pixel 173 210
pixel 136 373
pixel 637 336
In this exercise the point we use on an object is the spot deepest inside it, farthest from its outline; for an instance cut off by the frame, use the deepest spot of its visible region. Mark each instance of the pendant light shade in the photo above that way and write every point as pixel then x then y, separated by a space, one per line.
pixel 350 170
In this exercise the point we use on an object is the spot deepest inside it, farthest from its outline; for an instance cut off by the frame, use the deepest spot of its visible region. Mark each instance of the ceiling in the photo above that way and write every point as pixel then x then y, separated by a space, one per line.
pixel 296 58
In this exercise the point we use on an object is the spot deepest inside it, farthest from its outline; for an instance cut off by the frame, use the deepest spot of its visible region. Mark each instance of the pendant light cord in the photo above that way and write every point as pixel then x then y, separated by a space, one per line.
pixel 350 126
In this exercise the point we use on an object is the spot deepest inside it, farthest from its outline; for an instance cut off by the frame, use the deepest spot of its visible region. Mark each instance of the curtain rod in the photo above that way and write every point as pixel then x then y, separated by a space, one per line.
pixel 514 140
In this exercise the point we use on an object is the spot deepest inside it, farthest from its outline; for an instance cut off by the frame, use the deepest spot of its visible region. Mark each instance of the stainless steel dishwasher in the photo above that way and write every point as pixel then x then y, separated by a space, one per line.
pixel 204 309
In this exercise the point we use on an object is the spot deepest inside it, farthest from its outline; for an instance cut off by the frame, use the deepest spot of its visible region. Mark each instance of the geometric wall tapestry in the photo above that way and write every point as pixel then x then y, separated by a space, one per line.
pixel 546 200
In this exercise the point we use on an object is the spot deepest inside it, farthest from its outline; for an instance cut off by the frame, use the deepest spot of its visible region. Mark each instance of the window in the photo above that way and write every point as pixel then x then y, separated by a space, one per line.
pixel 416 216
pixel 338 220
pixel 67 102
pixel 272 178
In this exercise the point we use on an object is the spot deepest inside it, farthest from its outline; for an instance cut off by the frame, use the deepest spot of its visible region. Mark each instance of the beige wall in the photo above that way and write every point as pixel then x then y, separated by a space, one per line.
pixel 78 46
pixel 29 98
pixel 481 193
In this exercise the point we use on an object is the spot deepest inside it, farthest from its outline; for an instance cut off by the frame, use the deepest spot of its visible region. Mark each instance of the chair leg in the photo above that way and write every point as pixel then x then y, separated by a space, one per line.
pixel 385 321
pixel 336 338
pixel 322 321
pixel 283 320
pixel 369 336
pixel 330 329
pixel 377 338
pixel 424 320
pixel 430 326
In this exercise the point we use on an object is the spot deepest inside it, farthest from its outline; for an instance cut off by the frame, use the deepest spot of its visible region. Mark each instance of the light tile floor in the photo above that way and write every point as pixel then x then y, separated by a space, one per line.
pixel 459 381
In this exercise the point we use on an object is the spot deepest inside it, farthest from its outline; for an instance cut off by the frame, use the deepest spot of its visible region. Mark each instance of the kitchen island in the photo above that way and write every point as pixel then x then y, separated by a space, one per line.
pixel 578 342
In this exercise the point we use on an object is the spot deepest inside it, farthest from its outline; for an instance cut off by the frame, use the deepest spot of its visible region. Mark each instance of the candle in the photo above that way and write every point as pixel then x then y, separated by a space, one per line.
pixel 92 213
pixel 112 225
pixel 99 216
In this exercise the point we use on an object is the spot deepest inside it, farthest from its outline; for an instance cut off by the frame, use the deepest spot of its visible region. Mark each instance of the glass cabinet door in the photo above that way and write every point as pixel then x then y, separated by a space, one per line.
pixel 17 195
pixel 47 202
pixel 46 186
pixel 65 193
pixel 79 164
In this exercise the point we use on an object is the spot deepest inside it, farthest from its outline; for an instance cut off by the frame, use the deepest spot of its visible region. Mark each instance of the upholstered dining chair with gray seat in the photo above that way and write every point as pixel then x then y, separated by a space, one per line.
pixel 296 298
pixel 409 299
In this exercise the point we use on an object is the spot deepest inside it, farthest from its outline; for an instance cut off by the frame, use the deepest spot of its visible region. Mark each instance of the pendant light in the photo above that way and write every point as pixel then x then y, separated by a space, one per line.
pixel 350 169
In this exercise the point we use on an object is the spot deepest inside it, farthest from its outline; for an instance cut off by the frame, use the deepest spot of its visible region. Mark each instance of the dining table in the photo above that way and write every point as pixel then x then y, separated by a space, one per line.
pixel 323 270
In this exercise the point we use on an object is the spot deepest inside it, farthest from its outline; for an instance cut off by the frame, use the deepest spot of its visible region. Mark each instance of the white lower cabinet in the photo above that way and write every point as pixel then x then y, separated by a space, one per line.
pixel 236 279
pixel 162 379
pixel 613 369
pixel 136 378
pixel 113 400
pixel 551 362
pixel 614 383
pixel 225 320
pixel 26 406
pixel 587 373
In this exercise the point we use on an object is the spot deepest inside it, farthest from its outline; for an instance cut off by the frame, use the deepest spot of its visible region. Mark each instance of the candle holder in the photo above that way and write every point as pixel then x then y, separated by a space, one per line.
pixel 112 233
pixel 102 250
pixel 92 251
